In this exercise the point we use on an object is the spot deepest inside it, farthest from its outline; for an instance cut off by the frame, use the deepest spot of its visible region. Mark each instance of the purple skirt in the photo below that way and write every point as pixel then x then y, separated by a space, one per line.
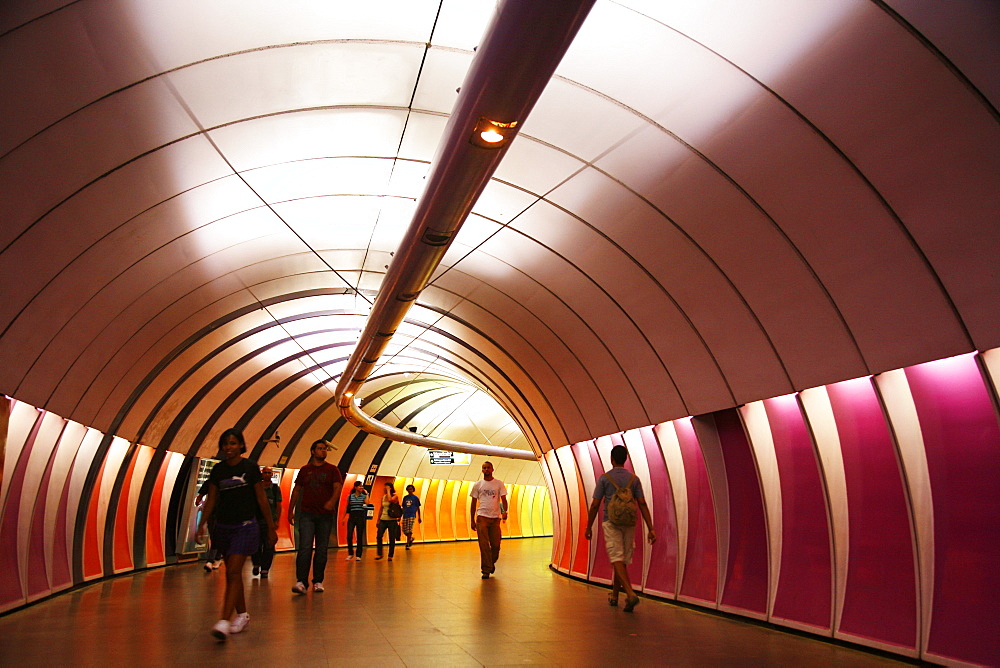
pixel 236 538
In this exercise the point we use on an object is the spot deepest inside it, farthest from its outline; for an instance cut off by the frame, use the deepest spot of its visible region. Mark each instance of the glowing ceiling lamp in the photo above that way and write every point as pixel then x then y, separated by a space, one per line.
pixel 492 134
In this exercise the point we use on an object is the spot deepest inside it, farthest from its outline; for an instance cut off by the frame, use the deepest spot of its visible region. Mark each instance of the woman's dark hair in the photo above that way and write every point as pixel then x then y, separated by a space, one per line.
pixel 391 486
pixel 233 431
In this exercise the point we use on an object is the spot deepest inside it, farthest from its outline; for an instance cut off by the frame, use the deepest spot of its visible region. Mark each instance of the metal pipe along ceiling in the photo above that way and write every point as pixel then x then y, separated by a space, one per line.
pixel 518 55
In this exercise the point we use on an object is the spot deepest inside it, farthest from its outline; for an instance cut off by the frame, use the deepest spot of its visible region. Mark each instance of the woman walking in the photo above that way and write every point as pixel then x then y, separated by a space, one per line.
pixel 236 496
pixel 388 520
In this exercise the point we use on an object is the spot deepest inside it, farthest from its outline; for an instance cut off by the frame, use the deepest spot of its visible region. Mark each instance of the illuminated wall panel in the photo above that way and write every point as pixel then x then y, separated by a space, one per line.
pixel 156 524
pixel 431 515
pixel 662 567
pixel 447 512
pixel 553 477
pixel 636 462
pixel 600 569
pixel 563 479
pixel 880 596
pixel 23 426
pixel 285 529
pixel 699 583
pixel 513 516
pixel 464 528
pixel 59 504
pixel 421 490
pixel 804 590
pixel 121 556
pixel 36 559
pixel 673 460
pixel 746 580
pixel 573 536
pixel 587 481
pixel 961 436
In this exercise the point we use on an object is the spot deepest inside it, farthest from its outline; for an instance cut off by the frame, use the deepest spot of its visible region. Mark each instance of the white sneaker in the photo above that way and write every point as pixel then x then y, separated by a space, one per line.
pixel 357 558
pixel 221 629
pixel 217 565
pixel 350 558
pixel 239 622
pixel 299 588
pixel 318 587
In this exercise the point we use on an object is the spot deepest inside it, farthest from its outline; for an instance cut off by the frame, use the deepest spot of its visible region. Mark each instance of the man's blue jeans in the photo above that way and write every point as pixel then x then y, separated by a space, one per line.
pixel 313 528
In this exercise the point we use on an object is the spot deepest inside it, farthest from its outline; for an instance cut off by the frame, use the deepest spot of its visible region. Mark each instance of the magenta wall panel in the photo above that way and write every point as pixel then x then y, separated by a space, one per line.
pixel 962 441
pixel 662 575
pixel 701 561
pixel 11 593
pixel 880 596
pixel 805 588
pixel 635 570
pixel 581 556
pixel 62 575
pixel 37 563
pixel 746 584
pixel 601 567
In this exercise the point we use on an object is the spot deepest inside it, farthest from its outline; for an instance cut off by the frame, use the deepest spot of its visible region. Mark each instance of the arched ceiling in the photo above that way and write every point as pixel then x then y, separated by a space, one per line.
pixel 713 202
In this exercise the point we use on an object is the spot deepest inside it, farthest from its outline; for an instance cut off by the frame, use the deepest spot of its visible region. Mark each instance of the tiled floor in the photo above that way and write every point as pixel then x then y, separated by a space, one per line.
pixel 428 607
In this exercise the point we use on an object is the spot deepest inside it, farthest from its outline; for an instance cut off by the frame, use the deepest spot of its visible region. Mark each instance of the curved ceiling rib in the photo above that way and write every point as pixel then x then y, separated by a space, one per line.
pixel 518 55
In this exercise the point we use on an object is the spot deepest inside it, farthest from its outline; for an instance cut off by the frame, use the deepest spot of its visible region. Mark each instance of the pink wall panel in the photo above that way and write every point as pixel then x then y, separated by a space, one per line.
pixel 122 557
pixel 701 561
pixel 11 590
pixel 581 457
pixel 37 564
pixel 636 463
pixel 804 593
pixel 962 441
pixel 62 574
pixel 662 575
pixel 581 557
pixel 562 480
pixel 601 568
pixel 880 596
pixel 746 584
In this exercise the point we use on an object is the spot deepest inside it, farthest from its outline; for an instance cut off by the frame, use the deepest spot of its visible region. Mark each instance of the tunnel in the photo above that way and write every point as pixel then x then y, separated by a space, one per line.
pixel 758 244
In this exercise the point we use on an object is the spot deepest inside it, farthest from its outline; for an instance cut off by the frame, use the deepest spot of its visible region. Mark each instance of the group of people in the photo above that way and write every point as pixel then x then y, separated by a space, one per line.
pixel 396 519
pixel 244 506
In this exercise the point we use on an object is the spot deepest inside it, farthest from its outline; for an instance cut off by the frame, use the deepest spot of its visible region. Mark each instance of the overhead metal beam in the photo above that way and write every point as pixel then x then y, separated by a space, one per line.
pixel 520 51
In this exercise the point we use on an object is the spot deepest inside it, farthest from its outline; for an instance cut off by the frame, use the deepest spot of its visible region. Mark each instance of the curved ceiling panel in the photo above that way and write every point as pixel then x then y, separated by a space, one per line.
pixel 712 203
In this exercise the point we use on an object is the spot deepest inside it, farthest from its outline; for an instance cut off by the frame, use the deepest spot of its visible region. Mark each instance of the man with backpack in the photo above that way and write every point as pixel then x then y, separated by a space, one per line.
pixel 621 492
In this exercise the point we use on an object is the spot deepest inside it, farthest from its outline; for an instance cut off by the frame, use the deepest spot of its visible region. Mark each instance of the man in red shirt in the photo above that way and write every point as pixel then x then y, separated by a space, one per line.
pixel 316 490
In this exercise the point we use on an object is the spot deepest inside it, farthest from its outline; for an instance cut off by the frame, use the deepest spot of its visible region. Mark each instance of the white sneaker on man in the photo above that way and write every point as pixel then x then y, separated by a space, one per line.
pixel 239 622
pixel 299 588
pixel 221 629
pixel 318 587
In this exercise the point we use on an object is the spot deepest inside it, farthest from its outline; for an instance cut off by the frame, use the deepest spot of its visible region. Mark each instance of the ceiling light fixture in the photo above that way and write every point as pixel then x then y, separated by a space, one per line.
pixel 492 134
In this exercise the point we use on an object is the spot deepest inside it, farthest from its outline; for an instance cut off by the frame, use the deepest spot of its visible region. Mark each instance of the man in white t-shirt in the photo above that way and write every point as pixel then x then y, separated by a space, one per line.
pixel 489 506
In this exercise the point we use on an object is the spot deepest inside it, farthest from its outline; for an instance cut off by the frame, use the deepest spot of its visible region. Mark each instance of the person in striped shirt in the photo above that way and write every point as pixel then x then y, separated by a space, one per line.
pixel 357 519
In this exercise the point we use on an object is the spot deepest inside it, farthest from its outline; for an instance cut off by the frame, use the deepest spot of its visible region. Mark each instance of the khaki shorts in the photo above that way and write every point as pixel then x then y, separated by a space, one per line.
pixel 619 541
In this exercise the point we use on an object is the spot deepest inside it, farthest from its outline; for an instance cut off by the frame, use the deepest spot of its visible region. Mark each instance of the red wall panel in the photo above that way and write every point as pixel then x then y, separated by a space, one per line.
pixel 662 574
pixel 805 589
pixel 601 567
pixel 702 558
pixel 880 597
pixel 962 441
pixel 746 583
